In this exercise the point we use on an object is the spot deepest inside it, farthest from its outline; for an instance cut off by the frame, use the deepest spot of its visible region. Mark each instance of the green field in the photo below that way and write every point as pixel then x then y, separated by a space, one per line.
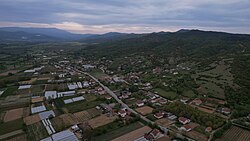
pixel 117 131
pixel 11 126
pixel 10 91
pixel 89 102
pixel 167 94
pixel 188 93
pixel 36 132
pixel 98 73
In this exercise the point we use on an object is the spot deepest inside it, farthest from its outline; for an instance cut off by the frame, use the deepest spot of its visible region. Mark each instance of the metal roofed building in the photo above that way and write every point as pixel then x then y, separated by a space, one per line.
pixel 46 114
pixel 24 87
pixel 38 109
pixel 52 94
pixel 64 136
pixel 47 139
pixel 67 93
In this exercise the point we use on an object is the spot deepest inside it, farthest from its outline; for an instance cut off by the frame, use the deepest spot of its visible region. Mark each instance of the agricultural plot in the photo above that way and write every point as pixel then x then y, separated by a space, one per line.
pixel 121 131
pixel 37 88
pixel 98 74
pixel 22 137
pixel 31 119
pixel 134 134
pixel 13 114
pixel 36 132
pixel 101 120
pixel 10 91
pixel 81 105
pixel 144 110
pixel 164 122
pixel 64 121
pixel 196 135
pixel 188 93
pixel 163 93
pixel 87 114
pixel 235 134
pixel 11 126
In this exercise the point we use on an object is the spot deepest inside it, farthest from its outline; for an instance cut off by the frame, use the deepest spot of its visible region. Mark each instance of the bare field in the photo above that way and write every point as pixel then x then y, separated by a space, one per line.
pixel 134 134
pixel 164 122
pixel 13 114
pixel 31 119
pixel 101 120
pixel 144 110
pixel 196 135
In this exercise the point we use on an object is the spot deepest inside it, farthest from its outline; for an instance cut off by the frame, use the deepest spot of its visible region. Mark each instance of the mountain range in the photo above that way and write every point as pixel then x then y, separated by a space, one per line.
pixel 54 34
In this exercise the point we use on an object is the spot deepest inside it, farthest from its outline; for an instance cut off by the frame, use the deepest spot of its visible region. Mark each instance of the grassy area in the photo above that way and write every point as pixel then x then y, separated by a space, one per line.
pixel 9 91
pixel 11 126
pixel 116 131
pixel 81 105
pixel 166 94
pixel 98 73
pixel 36 132
pixel 188 93
pixel 37 88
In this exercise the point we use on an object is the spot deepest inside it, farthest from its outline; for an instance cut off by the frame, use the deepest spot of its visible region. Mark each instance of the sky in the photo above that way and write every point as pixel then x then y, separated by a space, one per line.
pixel 130 16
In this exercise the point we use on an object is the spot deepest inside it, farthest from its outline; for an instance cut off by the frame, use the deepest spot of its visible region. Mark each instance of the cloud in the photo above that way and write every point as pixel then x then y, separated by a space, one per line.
pixel 98 16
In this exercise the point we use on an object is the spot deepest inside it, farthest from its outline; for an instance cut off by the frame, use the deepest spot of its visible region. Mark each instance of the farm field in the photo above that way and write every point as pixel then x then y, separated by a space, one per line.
pixel 11 126
pixel 118 132
pixel 144 110
pixel 188 93
pixel 13 114
pixel 63 121
pixel 87 114
pixel 235 134
pixel 196 135
pixel 101 120
pixel 31 119
pixel 10 91
pixel 134 134
pixel 36 132
pixel 98 74
pixel 22 137
pixel 164 122
pixel 163 93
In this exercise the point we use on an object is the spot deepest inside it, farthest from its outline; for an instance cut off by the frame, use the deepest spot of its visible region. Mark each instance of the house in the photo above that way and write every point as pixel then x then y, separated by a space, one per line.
pixel 183 120
pixel 50 94
pixel 122 113
pixel 159 115
pixel 184 100
pixel 208 129
pixel 140 103
pixel 186 128
pixel 155 133
pixel 196 102
pixel 226 111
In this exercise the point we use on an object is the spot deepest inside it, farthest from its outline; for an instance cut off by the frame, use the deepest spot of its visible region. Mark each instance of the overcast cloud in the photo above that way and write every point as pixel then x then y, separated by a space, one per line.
pixel 100 16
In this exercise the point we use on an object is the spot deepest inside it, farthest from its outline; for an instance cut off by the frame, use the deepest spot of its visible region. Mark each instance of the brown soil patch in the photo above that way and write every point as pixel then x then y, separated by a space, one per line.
pixel 196 135
pixel 31 119
pixel 203 109
pixel 13 114
pixel 164 122
pixel 101 120
pixel 134 134
pixel 37 99
pixel 28 81
pixel 144 110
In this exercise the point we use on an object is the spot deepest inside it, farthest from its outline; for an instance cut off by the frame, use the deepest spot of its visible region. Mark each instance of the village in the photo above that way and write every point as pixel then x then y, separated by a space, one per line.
pixel 78 99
